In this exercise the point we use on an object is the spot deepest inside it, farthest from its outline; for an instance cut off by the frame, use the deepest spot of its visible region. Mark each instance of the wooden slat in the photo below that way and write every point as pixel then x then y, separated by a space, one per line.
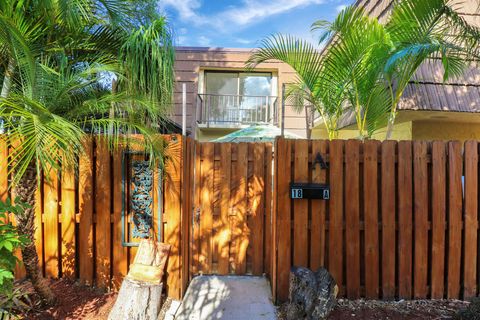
pixel 224 232
pixel 388 219
pixel 206 215
pixel 120 258
pixel 103 195
pixel 172 214
pixel 257 208
pixel 195 249
pixel 405 219
pixel 268 237
pixel 471 220
pixel 454 219
pixel 335 241
pixel 300 206
pixel 317 232
pixel 283 216
pixel 420 182
pixel 352 218
pixel 370 194
pixel 68 223
pixel 240 230
pixel 39 235
pixel 50 188
pixel 85 198
pixel 439 184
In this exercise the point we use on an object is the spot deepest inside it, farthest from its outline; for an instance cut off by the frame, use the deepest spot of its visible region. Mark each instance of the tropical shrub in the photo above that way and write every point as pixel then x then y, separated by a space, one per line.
pixel 11 300
pixel 366 65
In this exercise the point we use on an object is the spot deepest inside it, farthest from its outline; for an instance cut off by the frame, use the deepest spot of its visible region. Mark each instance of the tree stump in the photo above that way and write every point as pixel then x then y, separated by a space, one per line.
pixel 140 296
pixel 312 295
pixel 137 301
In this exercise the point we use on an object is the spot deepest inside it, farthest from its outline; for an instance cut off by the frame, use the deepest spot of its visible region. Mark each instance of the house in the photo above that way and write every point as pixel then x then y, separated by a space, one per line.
pixel 430 109
pixel 223 97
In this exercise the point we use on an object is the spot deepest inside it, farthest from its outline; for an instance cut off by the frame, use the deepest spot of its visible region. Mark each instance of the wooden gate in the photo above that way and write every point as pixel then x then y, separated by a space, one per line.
pixel 231 218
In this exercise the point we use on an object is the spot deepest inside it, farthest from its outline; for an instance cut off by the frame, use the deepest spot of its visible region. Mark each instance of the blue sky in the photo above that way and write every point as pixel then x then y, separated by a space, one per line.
pixel 243 23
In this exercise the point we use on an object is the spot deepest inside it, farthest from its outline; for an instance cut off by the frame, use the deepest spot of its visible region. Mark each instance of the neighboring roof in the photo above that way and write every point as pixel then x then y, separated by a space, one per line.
pixel 427 91
pixel 256 133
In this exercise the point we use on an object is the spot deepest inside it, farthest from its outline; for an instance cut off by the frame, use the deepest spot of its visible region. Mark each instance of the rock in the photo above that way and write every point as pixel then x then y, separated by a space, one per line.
pixel 312 295
pixel 472 312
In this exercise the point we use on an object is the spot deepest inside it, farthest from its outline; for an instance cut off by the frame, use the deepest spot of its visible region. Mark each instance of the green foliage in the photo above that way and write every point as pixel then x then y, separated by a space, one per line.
pixel 82 67
pixel 10 241
pixel 366 66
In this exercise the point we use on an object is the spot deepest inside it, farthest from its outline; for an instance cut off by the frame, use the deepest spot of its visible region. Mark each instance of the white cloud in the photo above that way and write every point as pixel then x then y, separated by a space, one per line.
pixel 186 8
pixel 340 7
pixel 243 41
pixel 256 10
pixel 204 41
pixel 249 12
pixel 182 40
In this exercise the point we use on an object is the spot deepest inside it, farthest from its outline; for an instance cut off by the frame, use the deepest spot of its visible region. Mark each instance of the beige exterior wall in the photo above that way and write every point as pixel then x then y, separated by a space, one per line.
pixel 402 131
pixel 431 130
pixel 190 64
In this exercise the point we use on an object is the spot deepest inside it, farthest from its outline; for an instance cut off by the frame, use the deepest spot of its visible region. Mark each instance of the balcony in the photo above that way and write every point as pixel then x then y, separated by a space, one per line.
pixel 233 111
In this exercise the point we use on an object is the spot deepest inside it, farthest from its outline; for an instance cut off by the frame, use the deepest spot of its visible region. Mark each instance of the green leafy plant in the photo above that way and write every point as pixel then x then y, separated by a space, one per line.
pixel 11 300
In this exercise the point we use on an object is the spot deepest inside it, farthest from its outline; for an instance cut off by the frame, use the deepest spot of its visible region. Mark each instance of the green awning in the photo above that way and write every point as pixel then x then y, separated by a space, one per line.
pixel 256 133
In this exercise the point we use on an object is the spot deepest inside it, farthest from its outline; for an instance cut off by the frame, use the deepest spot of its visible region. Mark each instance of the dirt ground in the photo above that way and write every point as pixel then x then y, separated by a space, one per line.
pixel 75 301
pixel 392 310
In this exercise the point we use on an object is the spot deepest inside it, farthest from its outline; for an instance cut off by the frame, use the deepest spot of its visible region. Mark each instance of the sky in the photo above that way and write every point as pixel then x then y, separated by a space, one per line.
pixel 244 23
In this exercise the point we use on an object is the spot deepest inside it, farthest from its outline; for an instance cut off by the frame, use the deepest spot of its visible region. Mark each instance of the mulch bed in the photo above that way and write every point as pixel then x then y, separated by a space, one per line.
pixel 392 310
pixel 74 301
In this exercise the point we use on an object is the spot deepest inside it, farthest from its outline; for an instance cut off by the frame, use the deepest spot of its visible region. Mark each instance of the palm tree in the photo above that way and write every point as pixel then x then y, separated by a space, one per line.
pixel 366 66
pixel 58 58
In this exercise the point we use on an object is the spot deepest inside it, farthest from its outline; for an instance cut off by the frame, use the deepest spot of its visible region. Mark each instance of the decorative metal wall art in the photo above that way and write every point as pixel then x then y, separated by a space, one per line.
pixel 138 194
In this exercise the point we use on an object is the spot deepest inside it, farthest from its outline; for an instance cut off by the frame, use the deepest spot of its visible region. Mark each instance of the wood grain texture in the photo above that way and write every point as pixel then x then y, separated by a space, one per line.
pixel 405 219
pixel 257 208
pixel 454 219
pixel 68 222
pixel 300 206
pixel 319 208
pixel 370 189
pixel 225 231
pixel 283 217
pixel 120 253
pixel 335 241
pixel 420 219
pixel 439 186
pixel 51 224
pixel 103 194
pixel 388 219
pixel 471 220
pixel 352 217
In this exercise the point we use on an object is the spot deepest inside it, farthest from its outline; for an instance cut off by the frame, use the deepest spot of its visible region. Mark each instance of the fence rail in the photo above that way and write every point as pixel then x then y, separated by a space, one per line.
pixel 402 221
pixel 78 217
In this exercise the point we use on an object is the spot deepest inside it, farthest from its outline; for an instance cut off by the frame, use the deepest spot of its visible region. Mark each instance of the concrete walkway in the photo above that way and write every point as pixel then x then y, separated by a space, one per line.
pixel 227 297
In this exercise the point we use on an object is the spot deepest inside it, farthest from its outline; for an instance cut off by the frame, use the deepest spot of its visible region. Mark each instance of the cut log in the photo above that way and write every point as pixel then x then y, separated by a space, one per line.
pixel 137 301
pixel 140 296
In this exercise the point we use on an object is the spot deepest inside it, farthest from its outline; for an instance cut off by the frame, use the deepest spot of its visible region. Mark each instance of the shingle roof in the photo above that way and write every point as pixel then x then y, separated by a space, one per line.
pixel 427 90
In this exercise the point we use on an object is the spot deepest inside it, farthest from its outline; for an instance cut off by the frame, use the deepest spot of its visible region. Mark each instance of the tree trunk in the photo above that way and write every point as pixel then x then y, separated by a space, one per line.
pixel 137 301
pixel 391 122
pixel 25 190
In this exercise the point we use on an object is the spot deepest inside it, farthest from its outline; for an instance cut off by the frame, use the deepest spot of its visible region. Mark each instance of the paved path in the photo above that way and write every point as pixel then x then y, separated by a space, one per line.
pixel 228 298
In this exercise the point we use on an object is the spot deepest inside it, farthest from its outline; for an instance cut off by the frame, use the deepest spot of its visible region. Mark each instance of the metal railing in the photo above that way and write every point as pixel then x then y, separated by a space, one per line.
pixel 231 110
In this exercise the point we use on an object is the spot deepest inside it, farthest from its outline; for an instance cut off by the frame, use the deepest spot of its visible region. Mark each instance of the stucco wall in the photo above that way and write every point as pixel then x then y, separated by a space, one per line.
pixel 442 130
pixel 402 131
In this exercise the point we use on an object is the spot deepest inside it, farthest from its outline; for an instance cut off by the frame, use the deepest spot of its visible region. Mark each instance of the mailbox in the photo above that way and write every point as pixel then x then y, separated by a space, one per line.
pixel 309 191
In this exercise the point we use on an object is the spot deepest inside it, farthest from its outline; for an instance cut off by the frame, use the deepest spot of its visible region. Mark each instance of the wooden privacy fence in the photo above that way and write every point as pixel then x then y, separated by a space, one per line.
pixel 402 220
pixel 232 208
pixel 78 217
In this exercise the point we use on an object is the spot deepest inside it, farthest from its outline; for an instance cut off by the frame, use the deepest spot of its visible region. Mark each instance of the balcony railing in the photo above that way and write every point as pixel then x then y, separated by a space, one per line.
pixel 234 110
